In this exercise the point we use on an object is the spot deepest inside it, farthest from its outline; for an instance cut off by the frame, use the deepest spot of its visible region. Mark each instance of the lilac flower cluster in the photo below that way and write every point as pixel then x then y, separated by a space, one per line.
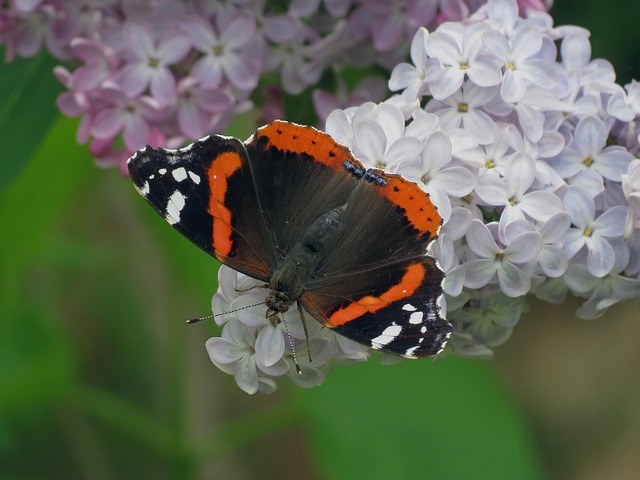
pixel 161 73
pixel 529 155
pixel 540 200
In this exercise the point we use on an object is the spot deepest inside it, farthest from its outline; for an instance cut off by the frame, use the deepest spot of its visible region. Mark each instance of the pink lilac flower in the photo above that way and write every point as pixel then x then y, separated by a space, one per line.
pixel 391 21
pixel 223 52
pixel 370 89
pixel 100 63
pixel 147 64
pixel 131 117
pixel 197 107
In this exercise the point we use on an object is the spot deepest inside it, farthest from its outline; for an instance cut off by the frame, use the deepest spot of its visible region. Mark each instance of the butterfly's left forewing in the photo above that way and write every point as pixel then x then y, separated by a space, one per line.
pixel 206 192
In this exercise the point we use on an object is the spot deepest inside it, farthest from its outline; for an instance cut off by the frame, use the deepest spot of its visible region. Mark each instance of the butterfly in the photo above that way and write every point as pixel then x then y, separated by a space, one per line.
pixel 293 208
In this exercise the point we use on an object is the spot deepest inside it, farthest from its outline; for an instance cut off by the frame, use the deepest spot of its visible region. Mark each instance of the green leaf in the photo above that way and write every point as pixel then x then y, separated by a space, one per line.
pixel 447 420
pixel 32 204
pixel 27 109
pixel 35 364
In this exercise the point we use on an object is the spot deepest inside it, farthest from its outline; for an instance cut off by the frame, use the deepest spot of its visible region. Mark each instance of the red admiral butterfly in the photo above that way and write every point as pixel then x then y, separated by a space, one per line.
pixel 294 209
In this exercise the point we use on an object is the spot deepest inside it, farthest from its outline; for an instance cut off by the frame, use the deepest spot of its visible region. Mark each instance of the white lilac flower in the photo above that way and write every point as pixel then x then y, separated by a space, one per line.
pixel 631 191
pixel 235 352
pixel 589 151
pixel 592 232
pixel 552 259
pixel 412 78
pixel 487 320
pixel 548 144
pixel 463 109
pixel 443 249
pixel 375 145
pixel 603 292
pixel 521 67
pixel 434 173
pixel 502 265
pixel 257 351
pixel 512 192
pixel 459 50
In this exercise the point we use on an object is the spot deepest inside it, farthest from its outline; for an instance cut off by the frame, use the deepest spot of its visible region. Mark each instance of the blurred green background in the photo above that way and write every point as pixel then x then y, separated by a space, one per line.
pixel 100 378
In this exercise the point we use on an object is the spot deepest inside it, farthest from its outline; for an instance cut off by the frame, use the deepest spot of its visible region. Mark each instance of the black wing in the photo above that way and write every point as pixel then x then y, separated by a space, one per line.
pixel 206 192
pixel 299 174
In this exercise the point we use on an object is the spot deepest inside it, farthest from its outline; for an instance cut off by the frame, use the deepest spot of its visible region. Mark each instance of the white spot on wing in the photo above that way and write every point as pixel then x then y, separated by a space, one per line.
pixel 410 352
pixel 194 178
pixel 409 308
pixel 387 336
pixel 179 174
pixel 162 171
pixel 174 207
pixel 416 318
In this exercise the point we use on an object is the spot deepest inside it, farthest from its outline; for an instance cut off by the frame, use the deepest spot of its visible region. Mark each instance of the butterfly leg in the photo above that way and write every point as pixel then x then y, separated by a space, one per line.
pixel 243 290
pixel 304 326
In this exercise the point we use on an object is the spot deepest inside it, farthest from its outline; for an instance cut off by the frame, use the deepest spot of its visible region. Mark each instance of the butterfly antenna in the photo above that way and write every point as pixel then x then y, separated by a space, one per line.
pixel 199 319
pixel 304 326
pixel 293 350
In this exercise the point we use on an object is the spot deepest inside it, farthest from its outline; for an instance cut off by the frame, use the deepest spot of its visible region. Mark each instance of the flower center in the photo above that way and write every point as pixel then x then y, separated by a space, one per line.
pixel 489 164
pixel 424 179
pixel 154 62
pixel 588 231
pixel 511 66
pixel 464 66
pixel 499 256
pixel 588 161
pixel 217 50
pixel 467 198
pixel 463 107
pixel 513 201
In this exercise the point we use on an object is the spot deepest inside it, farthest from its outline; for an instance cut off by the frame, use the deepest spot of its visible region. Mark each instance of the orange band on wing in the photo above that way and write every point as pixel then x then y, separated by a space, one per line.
pixel 410 282
pixel 419 208
pixel 300 139
pixel 222 167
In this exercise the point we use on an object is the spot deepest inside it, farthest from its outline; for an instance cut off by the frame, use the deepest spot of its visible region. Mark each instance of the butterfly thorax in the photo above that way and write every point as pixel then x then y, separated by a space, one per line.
pixel 299 265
